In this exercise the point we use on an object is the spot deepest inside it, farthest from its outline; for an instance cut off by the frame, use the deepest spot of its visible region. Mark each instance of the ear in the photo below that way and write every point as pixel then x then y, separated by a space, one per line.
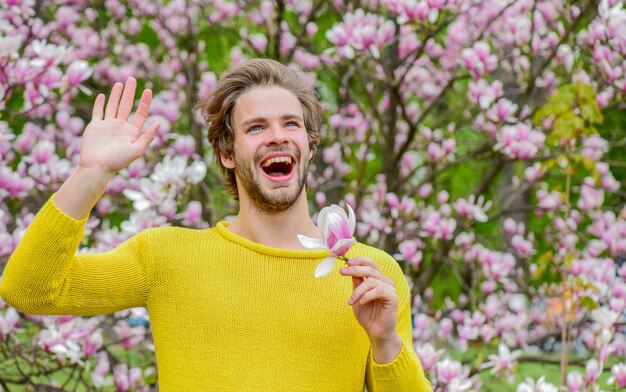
pixel 228 161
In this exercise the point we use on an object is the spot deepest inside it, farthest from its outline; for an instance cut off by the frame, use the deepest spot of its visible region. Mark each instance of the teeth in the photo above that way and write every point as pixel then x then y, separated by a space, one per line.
pixel 276 160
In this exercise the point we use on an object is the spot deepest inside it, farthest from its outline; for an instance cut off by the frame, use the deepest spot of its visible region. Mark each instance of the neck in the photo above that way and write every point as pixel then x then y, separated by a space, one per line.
pixel 278 230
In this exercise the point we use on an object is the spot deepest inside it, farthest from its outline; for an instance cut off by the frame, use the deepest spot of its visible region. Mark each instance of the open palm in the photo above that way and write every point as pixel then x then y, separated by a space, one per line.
pixel 110 141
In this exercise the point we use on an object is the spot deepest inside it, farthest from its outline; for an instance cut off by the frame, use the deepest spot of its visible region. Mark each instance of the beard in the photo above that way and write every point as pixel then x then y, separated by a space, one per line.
pixel 276 200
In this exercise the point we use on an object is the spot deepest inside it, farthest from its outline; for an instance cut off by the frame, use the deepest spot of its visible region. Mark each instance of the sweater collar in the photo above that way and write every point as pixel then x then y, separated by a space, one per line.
pixel 222 228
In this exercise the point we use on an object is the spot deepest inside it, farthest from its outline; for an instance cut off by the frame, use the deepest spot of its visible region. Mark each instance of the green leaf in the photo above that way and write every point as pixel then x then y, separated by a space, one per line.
pixel 545 258
pixel 588 302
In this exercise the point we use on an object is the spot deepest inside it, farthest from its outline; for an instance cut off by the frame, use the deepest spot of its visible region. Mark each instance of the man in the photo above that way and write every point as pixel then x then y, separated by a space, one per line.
pixel 235 307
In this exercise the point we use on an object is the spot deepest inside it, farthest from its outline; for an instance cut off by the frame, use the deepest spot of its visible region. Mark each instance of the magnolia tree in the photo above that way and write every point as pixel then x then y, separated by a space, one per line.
pixel 478 142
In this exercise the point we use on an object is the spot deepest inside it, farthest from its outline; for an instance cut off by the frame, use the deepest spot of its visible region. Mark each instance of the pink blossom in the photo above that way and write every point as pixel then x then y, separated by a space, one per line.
pixel 547 81
pixel 618 375
pixel 167 208
pixel 102 367
pixel 14 185
pixel 442 197
pixel 306 60
pixel 590 197
pixel 425 190
pixel 575 381
pixel 502 111
pixel 8 243
pixel 336 229
pixel 320 198
pixel 548 200
pixel 436 226
pixel 92 343
pixel 488 286
pixel 607 181
pixel 120 373
pixel 76 73
pixel 47 55
pixel 367 33
pixel 478 60
pixel 428 355
pixel 8 322
pixel 484 94
pixel 311 29
pixel 534 172
pixel 192 214
pixel 206 85
pixel 42 152
pixel 541 385
pixel 222 10
pixel 448 370
pixel 603 98
pixel 185 145
pixel 445 327
pixel 473 208
pixel 592 370
pixel 130 336
pixel 435 152
pixel 519 141
pixel 510 226
pixel 523 247
pixel 594 147
pixel 332 154
pixel 503 363
pixel 9 46
pixel 410 251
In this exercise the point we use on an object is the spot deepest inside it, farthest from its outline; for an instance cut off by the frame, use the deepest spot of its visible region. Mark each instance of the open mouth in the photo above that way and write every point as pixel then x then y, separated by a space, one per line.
pixel 278 167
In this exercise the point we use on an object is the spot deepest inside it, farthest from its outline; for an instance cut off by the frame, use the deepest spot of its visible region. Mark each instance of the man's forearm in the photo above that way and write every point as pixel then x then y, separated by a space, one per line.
pixel 81 191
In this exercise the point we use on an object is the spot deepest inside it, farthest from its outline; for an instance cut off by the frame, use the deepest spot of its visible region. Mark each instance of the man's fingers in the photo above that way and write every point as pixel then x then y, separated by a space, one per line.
pixel 98 108
pixel 366 272
pixel 143 109
pixel 356 282
pixel 146 138
pixel 362 261
pixel 360 289
pixel 374 294
pixel 128 99
pixel 114 100
pixel 369 291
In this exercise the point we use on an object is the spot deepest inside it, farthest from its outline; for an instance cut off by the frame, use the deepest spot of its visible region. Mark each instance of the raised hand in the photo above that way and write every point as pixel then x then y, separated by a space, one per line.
pixel 110 142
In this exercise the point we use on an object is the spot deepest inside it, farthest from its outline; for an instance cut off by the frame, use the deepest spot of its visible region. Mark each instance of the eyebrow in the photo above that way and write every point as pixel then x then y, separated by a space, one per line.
pixel 288 116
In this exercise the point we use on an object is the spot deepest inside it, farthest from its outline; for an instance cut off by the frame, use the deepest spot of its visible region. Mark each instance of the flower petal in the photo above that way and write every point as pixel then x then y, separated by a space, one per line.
pixel 321 219
pixel 337 223
pixel 311 243
pixel 325 267
pixel 133 195
pixel 351 219
pixel 342 246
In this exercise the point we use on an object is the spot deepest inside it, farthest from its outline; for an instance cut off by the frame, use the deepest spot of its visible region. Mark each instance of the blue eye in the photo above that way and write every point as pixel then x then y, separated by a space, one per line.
pixel 255 128
pixel 292 123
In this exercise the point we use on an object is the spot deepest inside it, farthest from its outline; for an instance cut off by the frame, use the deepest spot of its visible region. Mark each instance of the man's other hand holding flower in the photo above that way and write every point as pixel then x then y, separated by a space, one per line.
pixel 374 299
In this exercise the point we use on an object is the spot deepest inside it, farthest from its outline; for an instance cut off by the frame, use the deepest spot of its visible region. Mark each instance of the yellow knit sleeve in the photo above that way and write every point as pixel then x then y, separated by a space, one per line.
pixel 404 373
pixel 45 275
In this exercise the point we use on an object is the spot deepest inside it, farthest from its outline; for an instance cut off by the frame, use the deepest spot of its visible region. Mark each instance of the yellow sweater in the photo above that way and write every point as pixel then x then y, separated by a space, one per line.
pixel 227 314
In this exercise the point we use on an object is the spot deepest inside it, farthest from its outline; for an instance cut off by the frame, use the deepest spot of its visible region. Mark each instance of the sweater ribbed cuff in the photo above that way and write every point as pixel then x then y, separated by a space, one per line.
pixel 55 218
pixel 401 366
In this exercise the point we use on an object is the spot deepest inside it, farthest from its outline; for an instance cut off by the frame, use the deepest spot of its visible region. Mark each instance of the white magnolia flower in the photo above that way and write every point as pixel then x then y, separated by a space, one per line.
pixel 337 229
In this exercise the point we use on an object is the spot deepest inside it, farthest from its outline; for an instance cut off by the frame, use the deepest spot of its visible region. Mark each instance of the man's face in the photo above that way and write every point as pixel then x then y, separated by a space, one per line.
pixel 271 153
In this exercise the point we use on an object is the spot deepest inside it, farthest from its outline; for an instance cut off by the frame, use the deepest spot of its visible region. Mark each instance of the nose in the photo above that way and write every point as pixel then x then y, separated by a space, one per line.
pixel 276 135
